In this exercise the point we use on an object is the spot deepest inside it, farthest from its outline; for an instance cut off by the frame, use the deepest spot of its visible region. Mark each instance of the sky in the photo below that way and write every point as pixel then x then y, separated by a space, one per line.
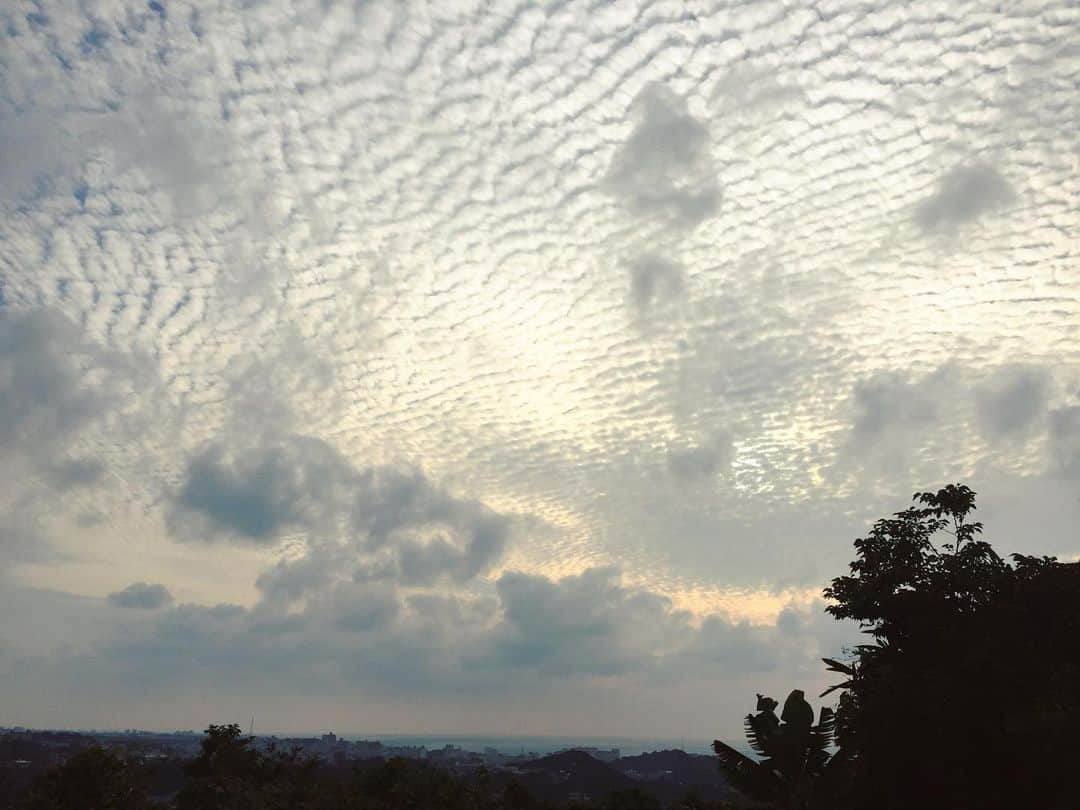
pixel 511 367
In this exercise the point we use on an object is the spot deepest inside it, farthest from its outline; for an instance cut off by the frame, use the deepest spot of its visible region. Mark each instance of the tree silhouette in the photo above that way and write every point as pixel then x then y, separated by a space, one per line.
pixel 967 695
pixel 95 779
pixel 230 773
pixel 795 752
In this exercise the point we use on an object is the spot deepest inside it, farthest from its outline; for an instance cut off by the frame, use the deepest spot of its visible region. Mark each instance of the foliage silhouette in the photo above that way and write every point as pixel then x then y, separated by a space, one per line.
pixel 231 774
pixel 967 695
pixel 234 772
pixel 795 752
pixel 96 779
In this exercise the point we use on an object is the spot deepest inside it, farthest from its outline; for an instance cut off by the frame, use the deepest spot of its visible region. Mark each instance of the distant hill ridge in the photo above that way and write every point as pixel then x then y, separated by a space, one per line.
pixel 667 773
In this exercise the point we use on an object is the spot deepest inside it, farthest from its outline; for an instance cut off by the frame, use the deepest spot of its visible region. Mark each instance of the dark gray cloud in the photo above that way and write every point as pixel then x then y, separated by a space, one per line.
pixel 255 493
pixel 79 472
pixel 426 562
pixel 58 391
pixel 1004 401
pixel 535 631
pixel 989 420
pixel 22 535
pixel 1065 441
pixel 654 279
pixel 421 534
pixel 43 398
pixel 389 501
pixel 898 420
pixel 664 169
pixel 290 579
pixel 33 151
pixel 88 518
pixel 737 647
pixel 141 595
pixel 381 523
pixel 46 149
pixel 963 195
pixel 56 382
pixel 589 623
pixel 701 460
pixel 1012 400
pixel 178 150
pixel 362 606
pixel 59 623
pixel 889 401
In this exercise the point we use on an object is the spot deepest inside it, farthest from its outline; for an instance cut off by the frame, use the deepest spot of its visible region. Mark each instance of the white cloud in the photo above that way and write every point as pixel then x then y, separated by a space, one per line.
pixel 1013 400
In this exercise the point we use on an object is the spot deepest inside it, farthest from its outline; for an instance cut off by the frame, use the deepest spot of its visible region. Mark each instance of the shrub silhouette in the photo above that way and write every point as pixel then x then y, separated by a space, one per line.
pixel 794 750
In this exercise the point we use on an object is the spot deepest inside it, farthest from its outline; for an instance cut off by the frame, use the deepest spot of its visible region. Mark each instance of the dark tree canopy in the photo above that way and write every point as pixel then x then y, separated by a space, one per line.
pixel 230 773
pixel 968 695
pixel 96 779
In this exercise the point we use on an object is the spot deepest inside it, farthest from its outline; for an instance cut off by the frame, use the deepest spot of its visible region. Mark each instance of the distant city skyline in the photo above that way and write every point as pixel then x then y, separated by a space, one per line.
pixel 474 743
